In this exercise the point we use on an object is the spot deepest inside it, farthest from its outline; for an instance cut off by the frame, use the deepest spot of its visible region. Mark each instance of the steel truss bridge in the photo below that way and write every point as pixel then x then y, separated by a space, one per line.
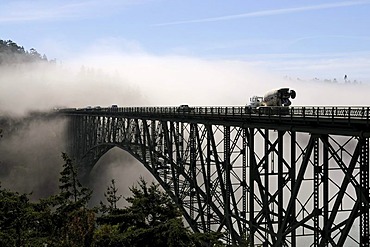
pixel 271 178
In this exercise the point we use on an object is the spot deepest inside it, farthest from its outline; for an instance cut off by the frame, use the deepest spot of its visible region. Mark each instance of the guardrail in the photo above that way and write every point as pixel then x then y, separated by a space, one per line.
pixel 306 112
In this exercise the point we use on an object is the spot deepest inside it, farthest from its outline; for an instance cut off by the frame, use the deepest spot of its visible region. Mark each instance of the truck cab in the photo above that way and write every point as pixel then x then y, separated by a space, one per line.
pixel 255 101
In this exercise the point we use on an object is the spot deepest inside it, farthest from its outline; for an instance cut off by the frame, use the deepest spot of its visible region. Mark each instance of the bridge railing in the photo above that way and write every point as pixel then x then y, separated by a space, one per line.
pixel 305 112
pixel 328 112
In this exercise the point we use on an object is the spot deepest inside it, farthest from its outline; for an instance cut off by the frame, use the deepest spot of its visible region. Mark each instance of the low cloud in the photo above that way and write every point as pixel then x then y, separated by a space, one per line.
pixel 30 154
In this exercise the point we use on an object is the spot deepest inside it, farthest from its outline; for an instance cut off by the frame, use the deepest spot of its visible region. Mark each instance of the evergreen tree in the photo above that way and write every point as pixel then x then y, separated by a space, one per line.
pixel 74 222
pixel 22 222
pixel 112 197
pixel 150 205
pixel 70 187
pixel 61 220
pixel 152 219
pixel 12 53
pixel 12 211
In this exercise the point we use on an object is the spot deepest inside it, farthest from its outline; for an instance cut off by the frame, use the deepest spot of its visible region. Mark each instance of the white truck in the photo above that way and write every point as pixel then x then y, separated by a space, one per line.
pixel 274 101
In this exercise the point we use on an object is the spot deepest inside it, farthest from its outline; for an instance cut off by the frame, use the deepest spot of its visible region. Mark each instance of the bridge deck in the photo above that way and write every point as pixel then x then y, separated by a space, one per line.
pixel 354 121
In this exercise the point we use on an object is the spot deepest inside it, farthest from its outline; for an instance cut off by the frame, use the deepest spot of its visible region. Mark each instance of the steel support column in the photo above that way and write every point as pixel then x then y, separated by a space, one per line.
pixel 252 174
pixel 364 207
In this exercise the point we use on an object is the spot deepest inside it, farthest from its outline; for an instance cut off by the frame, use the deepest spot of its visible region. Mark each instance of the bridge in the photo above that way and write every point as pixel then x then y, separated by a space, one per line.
pixel 271 177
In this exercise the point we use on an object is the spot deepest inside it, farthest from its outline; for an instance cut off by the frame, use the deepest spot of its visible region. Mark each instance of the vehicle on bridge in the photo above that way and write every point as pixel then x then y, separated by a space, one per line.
pixel 273 102
pixel 185 108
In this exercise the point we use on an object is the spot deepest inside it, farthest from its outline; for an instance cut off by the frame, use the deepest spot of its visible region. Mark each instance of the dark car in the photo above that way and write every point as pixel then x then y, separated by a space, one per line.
pixel 185 108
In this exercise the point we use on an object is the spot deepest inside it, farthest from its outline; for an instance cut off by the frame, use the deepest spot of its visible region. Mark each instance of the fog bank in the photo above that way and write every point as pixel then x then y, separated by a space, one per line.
pixel 30 156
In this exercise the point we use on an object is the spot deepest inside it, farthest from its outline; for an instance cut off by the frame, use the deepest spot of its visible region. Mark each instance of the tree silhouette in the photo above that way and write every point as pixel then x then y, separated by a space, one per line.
pixel 12 53
pixel 152 219
pixel 74 222
pixel 112 197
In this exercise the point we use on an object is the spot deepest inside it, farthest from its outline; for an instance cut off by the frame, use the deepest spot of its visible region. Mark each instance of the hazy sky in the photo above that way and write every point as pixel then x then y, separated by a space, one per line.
pixel 315 38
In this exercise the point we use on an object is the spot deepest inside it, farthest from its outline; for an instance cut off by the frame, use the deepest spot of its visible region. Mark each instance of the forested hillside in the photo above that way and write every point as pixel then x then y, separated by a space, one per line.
pixel 12 53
